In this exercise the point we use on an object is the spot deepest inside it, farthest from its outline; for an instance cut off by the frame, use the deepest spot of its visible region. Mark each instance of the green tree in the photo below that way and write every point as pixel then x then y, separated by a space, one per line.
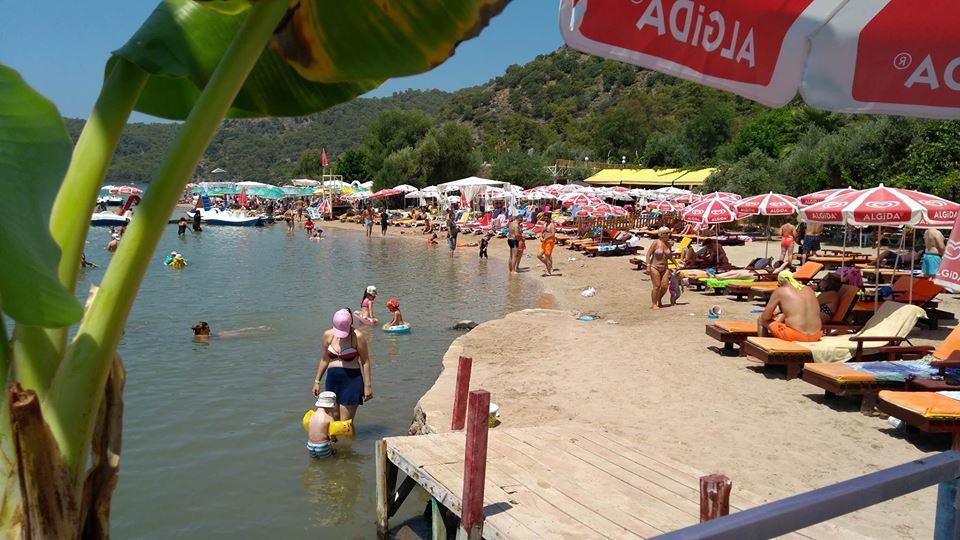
pixel 769 133
pixel 391 131
pixel 447 153
pixel 352 165
pixel 310 164
pixel 667 150
pixel 520 168
pixel 709 128
pixel 755 173
pixel 400 167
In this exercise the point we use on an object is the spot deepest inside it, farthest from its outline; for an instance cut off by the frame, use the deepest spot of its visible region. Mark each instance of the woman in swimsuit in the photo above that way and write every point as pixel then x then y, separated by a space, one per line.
pixel 659 254
pixel 346 363
pixel 788 235
pixel 829 298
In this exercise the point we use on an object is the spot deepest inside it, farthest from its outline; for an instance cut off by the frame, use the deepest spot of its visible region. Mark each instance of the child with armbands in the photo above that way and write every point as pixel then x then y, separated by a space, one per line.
pixel 318 428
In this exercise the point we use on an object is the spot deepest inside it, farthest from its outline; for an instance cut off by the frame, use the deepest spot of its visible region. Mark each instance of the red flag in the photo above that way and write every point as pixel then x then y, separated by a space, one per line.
pixel 323 158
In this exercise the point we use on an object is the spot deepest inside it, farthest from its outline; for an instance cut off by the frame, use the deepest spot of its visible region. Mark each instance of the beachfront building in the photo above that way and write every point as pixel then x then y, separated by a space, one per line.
pixel 651 178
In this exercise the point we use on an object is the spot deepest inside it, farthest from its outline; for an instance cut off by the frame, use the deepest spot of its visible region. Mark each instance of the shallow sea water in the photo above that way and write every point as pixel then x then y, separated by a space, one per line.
pixel 213 446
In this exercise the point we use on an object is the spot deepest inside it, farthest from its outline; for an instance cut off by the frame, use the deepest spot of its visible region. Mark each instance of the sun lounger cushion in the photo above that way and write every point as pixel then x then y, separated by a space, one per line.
pixel 738 326
pixel 722 283
pixel 927 404
pixel 892 319
pixel 898 371
pixel 840 372
pixel 949 346
pixel 777 345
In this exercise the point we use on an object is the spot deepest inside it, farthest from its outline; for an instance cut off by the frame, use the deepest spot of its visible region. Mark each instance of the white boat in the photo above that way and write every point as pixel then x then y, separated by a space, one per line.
pixel 110 200
pixel 234 218
pixel 106 219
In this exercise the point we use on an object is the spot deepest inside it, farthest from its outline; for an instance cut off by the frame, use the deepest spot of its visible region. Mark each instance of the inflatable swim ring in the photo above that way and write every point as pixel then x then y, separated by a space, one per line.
pixel 398 329
pixel 365 320
pixel 178 263
pixel 338 428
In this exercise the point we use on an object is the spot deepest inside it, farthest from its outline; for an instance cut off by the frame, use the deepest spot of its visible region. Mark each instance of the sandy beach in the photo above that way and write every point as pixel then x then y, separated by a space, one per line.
pixel 650 377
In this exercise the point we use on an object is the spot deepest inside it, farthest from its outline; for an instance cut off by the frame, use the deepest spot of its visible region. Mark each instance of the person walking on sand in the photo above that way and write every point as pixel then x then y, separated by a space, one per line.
pixel 933 249
pixel 513 236
pixel 793 312
pixel 384 216
pixel 548 240
pixel 659 256
pixel 345 361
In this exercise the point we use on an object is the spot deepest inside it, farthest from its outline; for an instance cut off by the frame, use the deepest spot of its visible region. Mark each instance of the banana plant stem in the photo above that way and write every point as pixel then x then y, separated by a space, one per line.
pixel 5 355
pixel 39 350
pixel 77 388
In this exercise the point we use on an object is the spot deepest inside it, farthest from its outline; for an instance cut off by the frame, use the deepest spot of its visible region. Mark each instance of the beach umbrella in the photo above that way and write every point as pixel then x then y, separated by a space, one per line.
pixel 665 206
pixel 413 195
pixel 769 204
pixel 190 185
pixel 579 199
pixel 710 212
pixel 603 210
pixel 721 195
pixel 883 206
pixel 688 198
pixel 619 189
pixel 384 193
pixel 127 190
pixel 573 188
pixel 885 57
pixel 405 188
pixel 948 274
pixel 305 182
pixel 615 195
pixel 824 194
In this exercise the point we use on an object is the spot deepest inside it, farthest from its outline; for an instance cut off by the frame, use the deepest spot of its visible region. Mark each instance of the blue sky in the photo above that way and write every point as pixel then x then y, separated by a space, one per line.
pixel 61 48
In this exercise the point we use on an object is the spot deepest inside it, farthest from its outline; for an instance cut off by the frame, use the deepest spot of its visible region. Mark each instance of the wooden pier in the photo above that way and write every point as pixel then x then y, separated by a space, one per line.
pixel 551 482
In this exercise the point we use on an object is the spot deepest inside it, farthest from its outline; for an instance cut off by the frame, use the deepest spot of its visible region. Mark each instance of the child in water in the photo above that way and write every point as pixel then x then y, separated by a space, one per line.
pixel 432 241
pixel 393 305
pixel 308 226
pixel 484 242
pixel 318 430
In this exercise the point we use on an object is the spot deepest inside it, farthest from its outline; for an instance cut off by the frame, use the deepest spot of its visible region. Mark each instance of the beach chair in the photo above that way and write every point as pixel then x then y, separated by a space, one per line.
pixel 931 412
pixel 806 273
pixel 889 326
pixel 912 368
pixel 925 295
pixel 732 333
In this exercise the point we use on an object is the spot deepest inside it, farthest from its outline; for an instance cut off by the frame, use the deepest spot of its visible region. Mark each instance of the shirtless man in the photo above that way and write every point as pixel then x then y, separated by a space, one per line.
pixel 811 241
pixel 548 240
pixel 799 312
pixel 934 246
pixel 513 240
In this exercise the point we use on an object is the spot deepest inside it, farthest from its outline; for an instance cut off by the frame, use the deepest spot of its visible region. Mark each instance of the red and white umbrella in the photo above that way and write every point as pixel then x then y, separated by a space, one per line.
pixel 383 193
pixel 721 195
pixel 688 198
pixel 126 190
pixel 878 57
pixel 619 189
pixel 710 212
pixel 948 274
pixel 665 206
pixel 579 199
pixel 604 209
pixel 883 206
pixel 822 195
pixel 769 204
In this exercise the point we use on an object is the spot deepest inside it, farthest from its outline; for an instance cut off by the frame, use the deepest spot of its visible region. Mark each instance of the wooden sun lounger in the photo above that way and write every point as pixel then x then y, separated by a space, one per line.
pixel 835 261
pixel 732 333
pixel 927 411
pixel 605 250
pixel 773 351
pixel 807 272
pixel 842 380
pixel 925 293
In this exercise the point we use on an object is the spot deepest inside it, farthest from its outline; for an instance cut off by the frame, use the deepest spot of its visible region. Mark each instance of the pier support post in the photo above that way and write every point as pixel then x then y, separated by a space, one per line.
pixel 714 496
pixel 460 393
pixel 383 489
pixel 474 467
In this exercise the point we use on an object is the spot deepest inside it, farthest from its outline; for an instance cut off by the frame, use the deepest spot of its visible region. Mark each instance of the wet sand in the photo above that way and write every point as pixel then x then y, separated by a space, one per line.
pixel 651 377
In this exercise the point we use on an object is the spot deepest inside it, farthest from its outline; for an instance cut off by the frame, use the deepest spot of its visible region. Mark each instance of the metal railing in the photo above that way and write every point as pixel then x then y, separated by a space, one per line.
pixel 793 513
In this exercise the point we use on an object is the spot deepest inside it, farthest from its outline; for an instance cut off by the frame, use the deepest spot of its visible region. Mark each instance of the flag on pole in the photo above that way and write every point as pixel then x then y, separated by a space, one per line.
pixel 323 158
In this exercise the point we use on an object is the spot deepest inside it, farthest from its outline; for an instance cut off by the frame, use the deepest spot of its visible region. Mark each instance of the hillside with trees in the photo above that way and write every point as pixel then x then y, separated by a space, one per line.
pixel 568 105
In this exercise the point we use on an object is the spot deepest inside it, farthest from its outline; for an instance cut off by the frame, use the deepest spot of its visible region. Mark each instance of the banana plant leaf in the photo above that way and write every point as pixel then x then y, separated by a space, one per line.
pixel 180 44
pixel 34 152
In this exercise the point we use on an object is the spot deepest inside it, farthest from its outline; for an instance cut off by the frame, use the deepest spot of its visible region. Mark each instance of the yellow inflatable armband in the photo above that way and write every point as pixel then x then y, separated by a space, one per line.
pixel 341 428
pixel 306 420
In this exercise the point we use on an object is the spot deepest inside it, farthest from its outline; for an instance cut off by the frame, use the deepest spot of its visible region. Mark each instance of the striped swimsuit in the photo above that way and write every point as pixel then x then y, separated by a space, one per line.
pixel 320 449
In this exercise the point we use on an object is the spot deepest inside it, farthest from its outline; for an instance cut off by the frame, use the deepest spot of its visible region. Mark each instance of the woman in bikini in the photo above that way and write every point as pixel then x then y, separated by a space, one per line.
pixel 829 297
pixel 659 255
pixel 346 363
pixel 788 239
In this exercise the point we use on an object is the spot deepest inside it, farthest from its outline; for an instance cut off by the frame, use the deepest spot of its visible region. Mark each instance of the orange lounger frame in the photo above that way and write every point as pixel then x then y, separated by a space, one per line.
pixel 805 273
pixel 925 293
pixel 732 333
pixel 774 351
pixel 928 411
pixel 842 380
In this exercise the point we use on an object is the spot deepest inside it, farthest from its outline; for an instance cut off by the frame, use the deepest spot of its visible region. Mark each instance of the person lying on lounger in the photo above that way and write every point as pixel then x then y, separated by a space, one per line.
pixel 756 269
pixel 793 313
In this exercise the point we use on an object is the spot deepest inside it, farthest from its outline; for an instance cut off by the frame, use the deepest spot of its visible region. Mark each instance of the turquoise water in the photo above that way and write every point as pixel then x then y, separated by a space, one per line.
pixel 212 443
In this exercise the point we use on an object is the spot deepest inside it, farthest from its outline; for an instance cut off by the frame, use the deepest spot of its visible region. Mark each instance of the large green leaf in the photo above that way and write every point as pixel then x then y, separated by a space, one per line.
pixel 34 152
pixel 180 45
pixel 349 40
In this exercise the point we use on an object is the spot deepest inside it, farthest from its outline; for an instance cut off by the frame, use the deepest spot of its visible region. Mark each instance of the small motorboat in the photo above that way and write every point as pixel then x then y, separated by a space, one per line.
pixel 110 200
pixel 107 219
pixel 233 218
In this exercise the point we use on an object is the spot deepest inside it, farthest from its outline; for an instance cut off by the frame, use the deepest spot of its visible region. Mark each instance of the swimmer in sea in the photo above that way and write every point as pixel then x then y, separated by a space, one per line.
pixel 393 305
pixel 201 331
pixel 114 243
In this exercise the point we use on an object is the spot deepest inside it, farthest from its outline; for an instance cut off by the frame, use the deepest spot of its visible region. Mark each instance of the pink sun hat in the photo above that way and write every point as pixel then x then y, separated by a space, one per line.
pixel 342 323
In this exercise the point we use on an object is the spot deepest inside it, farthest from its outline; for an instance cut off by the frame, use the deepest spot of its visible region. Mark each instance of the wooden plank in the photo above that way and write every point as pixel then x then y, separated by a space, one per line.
pixel 459 416
pixel 382 491
pixel 438 529
pixel 627 505
pixel 475 464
